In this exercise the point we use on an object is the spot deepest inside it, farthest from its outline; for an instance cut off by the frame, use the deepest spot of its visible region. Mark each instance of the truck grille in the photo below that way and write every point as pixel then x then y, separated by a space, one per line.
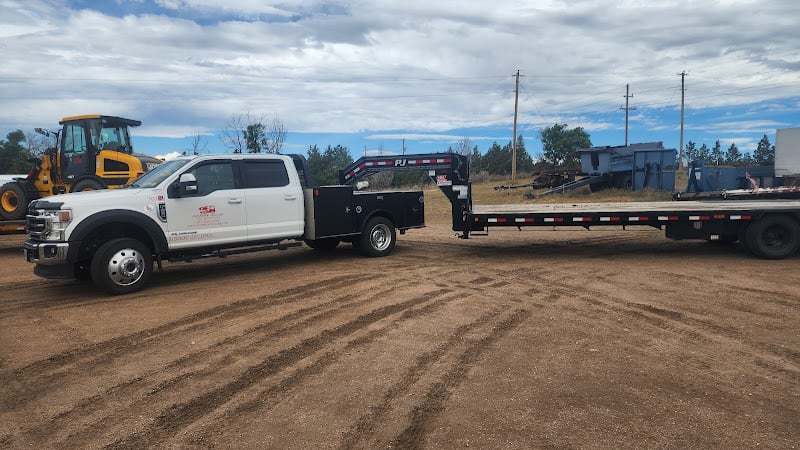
pixel 37 223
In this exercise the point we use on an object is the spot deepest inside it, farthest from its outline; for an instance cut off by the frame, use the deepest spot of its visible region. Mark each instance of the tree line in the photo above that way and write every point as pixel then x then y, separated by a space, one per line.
pixel 560 144
pixel 763 155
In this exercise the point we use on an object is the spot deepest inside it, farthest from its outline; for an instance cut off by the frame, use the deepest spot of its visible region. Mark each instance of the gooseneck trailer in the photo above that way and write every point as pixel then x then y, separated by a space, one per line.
pixel 767 228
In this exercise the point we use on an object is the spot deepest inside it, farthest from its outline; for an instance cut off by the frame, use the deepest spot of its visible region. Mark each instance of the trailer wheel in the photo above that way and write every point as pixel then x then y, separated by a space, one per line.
pixel 13 201
pixel 324 244
pixel 773 237
pixel 378 237
pixel 122 266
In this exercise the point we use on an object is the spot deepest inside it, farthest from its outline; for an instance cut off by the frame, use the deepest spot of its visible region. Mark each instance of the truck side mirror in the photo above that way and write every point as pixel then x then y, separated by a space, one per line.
pixel 188 184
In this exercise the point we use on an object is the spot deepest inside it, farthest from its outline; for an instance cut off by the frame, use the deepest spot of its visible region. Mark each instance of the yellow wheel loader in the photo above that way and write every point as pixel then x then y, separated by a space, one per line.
pixel 91 152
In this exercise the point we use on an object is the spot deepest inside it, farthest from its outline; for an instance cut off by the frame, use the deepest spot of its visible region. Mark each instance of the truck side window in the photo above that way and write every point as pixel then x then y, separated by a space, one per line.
pixel 213 176
pixel 260 174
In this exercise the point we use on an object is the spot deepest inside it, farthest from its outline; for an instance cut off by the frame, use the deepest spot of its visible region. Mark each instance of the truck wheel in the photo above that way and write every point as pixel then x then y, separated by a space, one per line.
pixel 122 266
pixel 773 237
pixel 324 244
pixel 13 201
pixel 378 237
pixel 87 184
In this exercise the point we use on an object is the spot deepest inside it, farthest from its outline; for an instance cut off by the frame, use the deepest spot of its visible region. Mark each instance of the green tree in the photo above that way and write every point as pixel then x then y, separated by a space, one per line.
pixel 498 159
pixel 560 145
pixel 765 152
pixel 475 160
pixel 325 166
pixel 733 156
pixel 717 157
pixel 704 153
pixel 691 151
pixel 255 137
pixel 13 155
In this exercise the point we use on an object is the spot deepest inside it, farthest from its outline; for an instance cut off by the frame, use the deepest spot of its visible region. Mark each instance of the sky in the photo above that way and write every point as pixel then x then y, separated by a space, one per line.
pixel 418 74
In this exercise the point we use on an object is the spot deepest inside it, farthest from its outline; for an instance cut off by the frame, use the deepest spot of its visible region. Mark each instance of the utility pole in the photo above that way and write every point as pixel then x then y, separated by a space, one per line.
pixel 514 141
pixel 628 95
pixel 683 97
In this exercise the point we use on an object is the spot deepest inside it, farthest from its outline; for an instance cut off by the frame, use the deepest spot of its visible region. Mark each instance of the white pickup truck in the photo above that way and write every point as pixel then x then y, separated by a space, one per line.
pixel 213 205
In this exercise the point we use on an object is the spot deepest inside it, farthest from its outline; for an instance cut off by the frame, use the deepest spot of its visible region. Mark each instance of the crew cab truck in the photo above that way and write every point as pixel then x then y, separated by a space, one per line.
pixel 211 205
pixel 769 228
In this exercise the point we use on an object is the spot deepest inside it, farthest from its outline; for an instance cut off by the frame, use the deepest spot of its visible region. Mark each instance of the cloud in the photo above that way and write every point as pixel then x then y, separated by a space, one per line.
pixel 429 67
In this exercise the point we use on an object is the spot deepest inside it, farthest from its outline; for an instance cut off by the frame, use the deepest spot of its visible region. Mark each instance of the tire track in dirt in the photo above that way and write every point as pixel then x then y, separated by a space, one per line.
pixel 181 415
pixel 175 375
pixel 35 380
pixel 133 387
pixel 365 426
pixel 263 400
pixel 677 323
pixel 423 416
pixel 555 286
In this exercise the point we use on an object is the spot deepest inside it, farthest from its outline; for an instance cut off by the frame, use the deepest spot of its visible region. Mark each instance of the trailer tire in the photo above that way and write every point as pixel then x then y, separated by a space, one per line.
pixel 122 266
pixel 378 237
pixel 324 244
pixel 773 237
pixel 14 201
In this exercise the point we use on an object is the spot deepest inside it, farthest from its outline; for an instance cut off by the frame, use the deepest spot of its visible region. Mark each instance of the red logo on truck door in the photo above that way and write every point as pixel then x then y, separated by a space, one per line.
pixel 207 210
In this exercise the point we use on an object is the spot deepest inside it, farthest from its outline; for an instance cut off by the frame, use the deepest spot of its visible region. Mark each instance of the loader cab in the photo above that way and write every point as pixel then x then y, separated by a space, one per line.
pixel 96 152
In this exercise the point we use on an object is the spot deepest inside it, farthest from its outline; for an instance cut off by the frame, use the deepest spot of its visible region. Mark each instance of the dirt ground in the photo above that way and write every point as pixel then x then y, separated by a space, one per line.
pixel 542 339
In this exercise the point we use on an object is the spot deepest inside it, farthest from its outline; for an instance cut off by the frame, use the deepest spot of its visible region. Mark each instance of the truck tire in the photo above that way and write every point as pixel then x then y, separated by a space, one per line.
pixel 773 237
pixel 378 237
pixel 122 266
pixel 324 244
pixel 87 184
pixel 14 201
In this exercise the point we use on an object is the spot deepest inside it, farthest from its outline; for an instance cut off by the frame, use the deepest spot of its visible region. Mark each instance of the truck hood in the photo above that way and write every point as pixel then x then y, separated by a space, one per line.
pixel 100 199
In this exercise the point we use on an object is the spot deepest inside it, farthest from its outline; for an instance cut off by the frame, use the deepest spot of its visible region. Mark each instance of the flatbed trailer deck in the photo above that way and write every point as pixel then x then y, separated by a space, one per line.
pixel 767 228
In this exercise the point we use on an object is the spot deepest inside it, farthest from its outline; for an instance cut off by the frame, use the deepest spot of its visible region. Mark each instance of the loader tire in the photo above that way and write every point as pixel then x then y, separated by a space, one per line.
pixel 14 199
pixel 87 184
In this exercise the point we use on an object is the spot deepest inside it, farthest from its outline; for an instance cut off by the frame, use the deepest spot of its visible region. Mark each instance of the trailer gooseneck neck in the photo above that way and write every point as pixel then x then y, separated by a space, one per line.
pixel 450 172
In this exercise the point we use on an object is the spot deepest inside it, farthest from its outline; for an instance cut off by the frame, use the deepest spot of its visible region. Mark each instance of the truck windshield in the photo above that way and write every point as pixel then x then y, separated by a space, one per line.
pixel 159 173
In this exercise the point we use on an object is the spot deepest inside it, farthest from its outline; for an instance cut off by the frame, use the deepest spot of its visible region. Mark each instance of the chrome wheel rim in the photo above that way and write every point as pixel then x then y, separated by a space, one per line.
pixel 126 267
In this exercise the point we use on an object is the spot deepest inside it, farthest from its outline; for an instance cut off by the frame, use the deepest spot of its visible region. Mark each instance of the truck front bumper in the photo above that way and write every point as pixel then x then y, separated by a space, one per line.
pixel 46 253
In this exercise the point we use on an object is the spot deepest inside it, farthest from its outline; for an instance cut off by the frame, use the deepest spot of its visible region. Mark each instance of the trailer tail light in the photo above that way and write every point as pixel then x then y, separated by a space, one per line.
pixel 719 216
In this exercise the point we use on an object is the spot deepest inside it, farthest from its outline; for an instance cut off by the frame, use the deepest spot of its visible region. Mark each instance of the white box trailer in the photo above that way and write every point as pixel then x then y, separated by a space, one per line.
pixel 787 153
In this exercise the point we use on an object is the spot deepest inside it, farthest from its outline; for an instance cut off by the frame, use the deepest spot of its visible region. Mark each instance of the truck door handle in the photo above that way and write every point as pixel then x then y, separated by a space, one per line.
pixel 289 197
pixel 234 200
